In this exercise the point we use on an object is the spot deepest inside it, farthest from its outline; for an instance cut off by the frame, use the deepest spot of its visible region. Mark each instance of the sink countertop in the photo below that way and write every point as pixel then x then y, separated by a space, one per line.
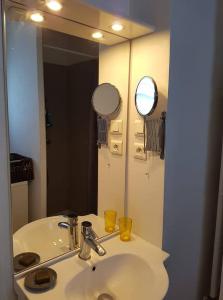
pixel 72 266
pixel 55 241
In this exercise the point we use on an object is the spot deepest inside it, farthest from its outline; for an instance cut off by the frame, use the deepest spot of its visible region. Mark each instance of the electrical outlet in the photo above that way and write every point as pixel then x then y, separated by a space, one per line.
pixel 116 147
pixel 139 151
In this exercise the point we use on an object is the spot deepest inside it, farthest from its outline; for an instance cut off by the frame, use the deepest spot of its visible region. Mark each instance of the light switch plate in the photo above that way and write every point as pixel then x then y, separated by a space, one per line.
pixel 116 127
pixel 116 147
pixel 139 151
pixel 139 128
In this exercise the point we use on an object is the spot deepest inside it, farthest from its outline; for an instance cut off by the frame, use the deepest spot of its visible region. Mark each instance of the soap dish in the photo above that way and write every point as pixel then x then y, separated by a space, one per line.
pixel 25 260
pixel 40 280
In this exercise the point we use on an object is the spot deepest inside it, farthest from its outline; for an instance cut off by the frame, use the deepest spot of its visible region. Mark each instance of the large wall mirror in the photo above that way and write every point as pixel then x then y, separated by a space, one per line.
pixel 58 173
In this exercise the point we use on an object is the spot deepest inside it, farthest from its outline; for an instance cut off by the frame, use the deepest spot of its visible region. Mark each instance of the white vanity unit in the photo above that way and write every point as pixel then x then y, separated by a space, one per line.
pixel 19 194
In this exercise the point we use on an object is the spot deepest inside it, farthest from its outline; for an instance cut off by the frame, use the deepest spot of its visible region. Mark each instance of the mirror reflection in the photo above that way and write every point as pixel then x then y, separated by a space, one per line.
pixel 70 78
pixel 51 79
pixel 106 100
pixel 106 103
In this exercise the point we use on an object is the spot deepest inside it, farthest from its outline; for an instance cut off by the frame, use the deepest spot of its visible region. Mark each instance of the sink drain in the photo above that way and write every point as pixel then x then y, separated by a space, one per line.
pixel 105 297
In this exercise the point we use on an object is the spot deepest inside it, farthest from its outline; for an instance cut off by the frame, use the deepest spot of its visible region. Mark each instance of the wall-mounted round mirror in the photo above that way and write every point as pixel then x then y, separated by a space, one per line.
pixel 106 99
pixel 146 96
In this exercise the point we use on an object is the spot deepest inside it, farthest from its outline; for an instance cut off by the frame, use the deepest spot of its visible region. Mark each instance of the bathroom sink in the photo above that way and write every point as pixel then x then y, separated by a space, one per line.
pixel 123 276
pixel 129 271
pixel 47 239
pixel 43 237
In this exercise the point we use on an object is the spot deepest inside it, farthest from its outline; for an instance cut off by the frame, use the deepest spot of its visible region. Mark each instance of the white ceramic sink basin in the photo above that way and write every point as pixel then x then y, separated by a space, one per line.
pixel 129 271
pixel 123 276
pixel 47 239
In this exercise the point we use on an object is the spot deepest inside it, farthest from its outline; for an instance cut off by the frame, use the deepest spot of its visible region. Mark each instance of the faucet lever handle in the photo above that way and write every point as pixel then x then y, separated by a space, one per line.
pixel 94 234
pixel 89 241
pixel 86 228
pixel 86 224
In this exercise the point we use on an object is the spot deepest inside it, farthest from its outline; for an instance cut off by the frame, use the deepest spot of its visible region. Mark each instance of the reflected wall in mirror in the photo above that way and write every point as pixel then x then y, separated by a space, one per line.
pixel 51 77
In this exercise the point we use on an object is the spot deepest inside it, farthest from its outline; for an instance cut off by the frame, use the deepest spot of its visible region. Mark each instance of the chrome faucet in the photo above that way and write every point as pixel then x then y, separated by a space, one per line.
pixel 72 226
pixel 88 242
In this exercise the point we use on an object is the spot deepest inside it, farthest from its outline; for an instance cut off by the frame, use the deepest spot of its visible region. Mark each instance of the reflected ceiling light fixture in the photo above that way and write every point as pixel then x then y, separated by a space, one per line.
pixel 97 35
pixel 54 5
pixel 37 17
pixel 117 26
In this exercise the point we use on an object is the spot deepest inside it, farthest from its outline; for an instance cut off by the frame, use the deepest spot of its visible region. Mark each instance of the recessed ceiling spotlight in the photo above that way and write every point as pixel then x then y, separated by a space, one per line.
pixel 97 35
pixel 117 26
pixel 37 17
pixel 54 5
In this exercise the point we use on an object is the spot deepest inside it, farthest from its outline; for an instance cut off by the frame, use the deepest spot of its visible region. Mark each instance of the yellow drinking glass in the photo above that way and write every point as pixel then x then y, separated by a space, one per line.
pixel 125 228
pixel 110 220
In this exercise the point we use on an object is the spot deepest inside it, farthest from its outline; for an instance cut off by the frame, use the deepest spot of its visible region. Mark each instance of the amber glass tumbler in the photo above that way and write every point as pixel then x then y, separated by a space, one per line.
pixel 110 220
pixel 125 228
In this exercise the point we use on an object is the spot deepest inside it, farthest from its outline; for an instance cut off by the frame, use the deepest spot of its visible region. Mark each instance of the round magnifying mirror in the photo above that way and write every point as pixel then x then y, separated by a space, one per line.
pixel 146 96
pixel 106 99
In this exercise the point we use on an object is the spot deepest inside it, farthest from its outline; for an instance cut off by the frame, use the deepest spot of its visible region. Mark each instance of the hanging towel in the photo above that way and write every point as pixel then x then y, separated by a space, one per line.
pixel 155 135
pixel 102 131
pixel 152 135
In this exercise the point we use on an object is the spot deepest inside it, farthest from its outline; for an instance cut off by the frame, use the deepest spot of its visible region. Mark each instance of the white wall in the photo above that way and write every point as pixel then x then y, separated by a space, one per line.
pixel 150 56
pixel 130 186
pixel 6 266
pixel 120 7
pixel 114 68
pixel 145 190
pixel 193 148
pixel 26 107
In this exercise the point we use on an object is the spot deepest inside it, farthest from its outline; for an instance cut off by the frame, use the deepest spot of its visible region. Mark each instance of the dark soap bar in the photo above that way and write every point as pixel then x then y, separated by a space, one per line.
pixel 27 260
pixel 42 276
